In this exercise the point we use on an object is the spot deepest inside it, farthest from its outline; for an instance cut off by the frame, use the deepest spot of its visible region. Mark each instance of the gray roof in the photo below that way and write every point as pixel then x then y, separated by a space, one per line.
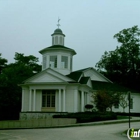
pixel 57 47
pixel 98 85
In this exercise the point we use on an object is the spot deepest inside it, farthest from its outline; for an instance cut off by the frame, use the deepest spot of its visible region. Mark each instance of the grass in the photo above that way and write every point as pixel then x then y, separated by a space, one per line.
pixel 123 117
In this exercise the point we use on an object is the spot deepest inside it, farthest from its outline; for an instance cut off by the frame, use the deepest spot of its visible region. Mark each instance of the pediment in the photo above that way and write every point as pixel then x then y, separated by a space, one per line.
pixel 88 72
pixel 95 75
pixel 48 76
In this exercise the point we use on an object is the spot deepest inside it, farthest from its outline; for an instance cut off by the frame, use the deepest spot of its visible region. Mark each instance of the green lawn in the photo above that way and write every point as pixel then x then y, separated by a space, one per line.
pixel 123 117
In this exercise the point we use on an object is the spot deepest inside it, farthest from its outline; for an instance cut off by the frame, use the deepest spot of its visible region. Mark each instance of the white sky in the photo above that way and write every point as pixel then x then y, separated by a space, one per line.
pixel 89 25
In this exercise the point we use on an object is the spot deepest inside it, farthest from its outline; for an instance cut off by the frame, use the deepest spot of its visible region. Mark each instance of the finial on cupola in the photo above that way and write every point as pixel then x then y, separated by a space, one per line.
pixel 58 36
pixel 58 22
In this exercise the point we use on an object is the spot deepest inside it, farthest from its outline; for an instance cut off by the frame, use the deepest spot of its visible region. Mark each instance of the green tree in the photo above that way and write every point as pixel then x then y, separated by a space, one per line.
pixel 105 99
pixel 3 63
pixel 12 75
pixel 28 61
pixel 123 101
pixel 123 64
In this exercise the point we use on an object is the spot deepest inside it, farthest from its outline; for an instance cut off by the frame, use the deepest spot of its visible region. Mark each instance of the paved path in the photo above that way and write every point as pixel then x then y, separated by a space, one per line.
pixel 96 132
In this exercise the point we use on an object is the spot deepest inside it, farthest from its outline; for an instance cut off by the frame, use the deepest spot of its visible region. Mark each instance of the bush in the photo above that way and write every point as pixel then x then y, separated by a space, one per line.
pixel 88 106
pixel 83 117
pixel 127 114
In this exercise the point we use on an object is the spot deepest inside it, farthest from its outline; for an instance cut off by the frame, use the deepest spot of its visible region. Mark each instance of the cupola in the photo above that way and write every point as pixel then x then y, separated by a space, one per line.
pixel 58 36
pixel 58 56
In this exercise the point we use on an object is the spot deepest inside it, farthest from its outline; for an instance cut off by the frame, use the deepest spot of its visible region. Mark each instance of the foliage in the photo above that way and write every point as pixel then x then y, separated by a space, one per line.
pixel 105 99
pixel 29 61
pixel 12 75
pixel 88 106
pixel 83 117
pixel 123 101
pixel 123 64
pixel 3 62
pixel 127 114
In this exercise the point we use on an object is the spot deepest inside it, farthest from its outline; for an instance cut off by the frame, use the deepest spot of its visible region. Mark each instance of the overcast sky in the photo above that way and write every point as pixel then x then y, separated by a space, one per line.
pixel 89 25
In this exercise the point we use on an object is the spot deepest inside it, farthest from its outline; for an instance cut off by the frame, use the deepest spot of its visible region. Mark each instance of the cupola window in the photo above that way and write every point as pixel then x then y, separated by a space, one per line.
pixel 53 61
pixel 53 41
pixel 61 43
pixel 44 62
pixel 56 40
pixel 64 62
pixel 71 63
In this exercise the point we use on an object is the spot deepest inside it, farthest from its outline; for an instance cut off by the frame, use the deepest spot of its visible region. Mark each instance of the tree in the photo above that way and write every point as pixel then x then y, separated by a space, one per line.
pixel 3 62
pixel 29 61
pixel 123 101
pixel 105 99
pixel 123 64
pixel 12 75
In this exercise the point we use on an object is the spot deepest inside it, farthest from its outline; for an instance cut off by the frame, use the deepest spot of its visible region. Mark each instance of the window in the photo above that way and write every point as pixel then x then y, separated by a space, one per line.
pixel 131 103
pixel 64 62
pixel 48 98
pixel 44 62
pixel 71 63
pixel 52 40
pixel 53 61
pixel 56 40
pixel 61 43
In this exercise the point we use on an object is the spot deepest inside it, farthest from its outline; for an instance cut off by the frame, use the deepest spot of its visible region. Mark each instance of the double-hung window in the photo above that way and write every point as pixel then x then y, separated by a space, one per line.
pixel 53 61
pixel 64 62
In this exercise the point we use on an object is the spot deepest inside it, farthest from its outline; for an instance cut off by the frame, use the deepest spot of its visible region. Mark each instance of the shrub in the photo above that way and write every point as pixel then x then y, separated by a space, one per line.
pixel 127 114
pixel 83 117
pixel 88 106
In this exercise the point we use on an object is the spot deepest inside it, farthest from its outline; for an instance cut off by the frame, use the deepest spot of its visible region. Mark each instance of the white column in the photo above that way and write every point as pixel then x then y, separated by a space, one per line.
pixel 22 100
pixel 75 100
pixel 64 100
pixel 30 100
pixel 69 62
pixel 59 98
pixel 56 101
pixel 85 96
pixel 34 100
pixel 82 101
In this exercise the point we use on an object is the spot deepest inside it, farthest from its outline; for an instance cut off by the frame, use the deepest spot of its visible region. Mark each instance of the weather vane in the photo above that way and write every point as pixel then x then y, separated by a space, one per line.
pixel 58 22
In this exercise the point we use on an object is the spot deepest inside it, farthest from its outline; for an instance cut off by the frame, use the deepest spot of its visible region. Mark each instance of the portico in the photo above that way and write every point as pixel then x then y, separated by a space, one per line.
pixel 35 98
pixel 50 100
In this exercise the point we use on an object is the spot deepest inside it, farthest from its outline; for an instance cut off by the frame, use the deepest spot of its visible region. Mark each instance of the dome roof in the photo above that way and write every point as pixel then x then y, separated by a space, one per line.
pixel 58 31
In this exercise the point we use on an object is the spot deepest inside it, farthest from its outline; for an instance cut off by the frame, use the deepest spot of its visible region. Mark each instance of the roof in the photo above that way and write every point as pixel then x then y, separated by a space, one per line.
pixel 74 75
pixel 58 31
pixel 81 70
pixel 98 85
pixel 84 80
pixel 54 47
pixel 79 77
pixel 98 73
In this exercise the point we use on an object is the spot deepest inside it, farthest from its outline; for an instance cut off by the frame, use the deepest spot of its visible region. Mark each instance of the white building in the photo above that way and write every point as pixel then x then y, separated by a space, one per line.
pixel 59 89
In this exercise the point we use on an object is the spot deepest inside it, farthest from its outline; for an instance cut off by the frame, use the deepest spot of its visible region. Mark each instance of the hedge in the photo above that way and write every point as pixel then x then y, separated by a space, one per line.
pixel 89 116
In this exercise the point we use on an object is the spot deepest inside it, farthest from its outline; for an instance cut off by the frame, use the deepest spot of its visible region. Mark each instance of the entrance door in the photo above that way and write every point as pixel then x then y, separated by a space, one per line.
pixel 48 100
